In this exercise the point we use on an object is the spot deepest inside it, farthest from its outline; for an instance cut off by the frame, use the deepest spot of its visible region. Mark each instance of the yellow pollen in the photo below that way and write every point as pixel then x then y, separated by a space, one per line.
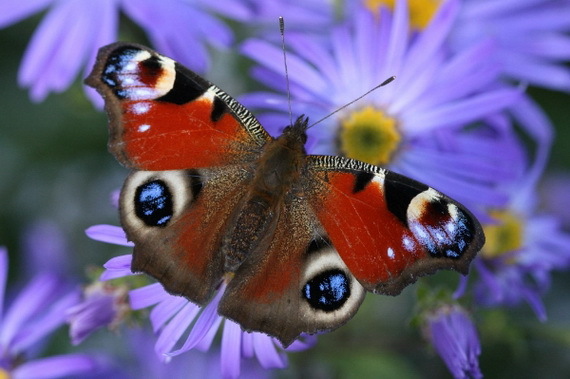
pixel 503 237
pixel 421 11
pixel 369 136
pixel 4 374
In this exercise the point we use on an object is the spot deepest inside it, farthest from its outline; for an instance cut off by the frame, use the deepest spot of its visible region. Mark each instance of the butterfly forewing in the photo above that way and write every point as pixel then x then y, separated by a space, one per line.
pixel 165 117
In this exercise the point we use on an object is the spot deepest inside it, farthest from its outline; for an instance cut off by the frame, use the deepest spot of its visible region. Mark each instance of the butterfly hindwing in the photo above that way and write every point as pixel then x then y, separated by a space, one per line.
pixel 171 218
pixel 165 117
pixel 390 229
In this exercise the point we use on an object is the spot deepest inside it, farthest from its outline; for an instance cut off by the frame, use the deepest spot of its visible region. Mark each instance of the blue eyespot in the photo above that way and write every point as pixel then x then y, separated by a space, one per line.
pixel 327 291
pixel 153 203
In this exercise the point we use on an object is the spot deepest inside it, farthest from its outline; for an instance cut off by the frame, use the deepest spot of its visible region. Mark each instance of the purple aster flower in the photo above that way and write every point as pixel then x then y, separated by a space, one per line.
pixel 454 337
pixel 523 247
pixel 172 316
pixel 103 305
pixel 72 31
pixel 38 310
pixel 532 37
pixel 415 125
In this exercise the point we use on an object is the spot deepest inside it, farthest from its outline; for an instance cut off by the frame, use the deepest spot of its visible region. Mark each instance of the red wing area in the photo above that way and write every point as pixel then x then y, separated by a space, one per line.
pixel 389 229
pixel 171 136
pixel 165 117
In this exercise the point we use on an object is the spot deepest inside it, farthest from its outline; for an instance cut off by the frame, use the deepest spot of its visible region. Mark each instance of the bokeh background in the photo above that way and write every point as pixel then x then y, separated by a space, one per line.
pixel 56 179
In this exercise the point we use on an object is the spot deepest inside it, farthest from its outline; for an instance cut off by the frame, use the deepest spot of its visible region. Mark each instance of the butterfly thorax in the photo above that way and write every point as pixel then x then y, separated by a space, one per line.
pixel 277 171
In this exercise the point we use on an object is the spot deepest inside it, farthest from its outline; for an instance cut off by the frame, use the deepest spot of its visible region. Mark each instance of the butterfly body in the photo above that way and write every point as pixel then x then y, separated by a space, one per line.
pixel 298 239
pixel 275 179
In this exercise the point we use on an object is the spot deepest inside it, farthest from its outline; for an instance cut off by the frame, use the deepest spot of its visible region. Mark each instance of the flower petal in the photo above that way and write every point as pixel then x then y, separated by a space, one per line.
pixel 12 11
pixel 147 296
pixel 57 366
pixel 204 324
pixel 108 233
pixel 231 347
pixel 117 267
pixel 266 352
pixel 45 322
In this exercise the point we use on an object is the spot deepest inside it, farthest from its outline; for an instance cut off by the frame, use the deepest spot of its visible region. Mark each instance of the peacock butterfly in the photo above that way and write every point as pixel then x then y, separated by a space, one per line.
pixel 298 238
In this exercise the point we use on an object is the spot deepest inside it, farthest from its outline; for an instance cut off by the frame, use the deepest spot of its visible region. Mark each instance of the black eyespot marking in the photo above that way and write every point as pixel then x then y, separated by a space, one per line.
pixel 399 192
pixel 153 203
pixel 317 244
pixel 186 88
pixel 327 291
pixel 152 66
pixel 362 180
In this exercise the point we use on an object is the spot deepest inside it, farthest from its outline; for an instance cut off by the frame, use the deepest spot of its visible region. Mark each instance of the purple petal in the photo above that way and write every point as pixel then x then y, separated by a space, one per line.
pixel 398 39
pixel 57 366
pixel 12 11
pixel 247 348
pixel 108 233
pixel 117 267
pixel 37 295
pixel 536 71
pixel 57 49
pixel 304 343
pixel 174 330
pixel 96 310
pixel 45 322
pixel 207 319
pixel 179 29
pixel 231 346
pixel 165 310
pixel 206 342
pixel 455 339
pixel 106 15
pixel 430 40
pixel 464 111
pixel 147 296
pixel 232 9
pixel 266 352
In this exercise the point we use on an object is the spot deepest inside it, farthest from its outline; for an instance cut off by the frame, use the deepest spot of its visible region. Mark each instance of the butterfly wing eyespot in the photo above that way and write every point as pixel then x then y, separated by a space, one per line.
pixel 389 229
pixel 330 294
pixel 163 116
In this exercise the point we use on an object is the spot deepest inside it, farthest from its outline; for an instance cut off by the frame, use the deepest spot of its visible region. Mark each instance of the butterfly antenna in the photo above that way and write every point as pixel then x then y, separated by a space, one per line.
pixel 389 80
pixel 282 31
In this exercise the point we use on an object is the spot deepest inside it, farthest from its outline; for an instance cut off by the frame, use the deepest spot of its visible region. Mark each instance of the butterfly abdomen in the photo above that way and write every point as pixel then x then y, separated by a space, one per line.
pixel 247 228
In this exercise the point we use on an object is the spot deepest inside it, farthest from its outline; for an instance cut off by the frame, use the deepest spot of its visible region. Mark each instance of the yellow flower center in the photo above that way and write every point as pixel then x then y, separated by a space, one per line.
pixel 369 136
pixel 4 374
pixel 421 11
pixel 503 237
